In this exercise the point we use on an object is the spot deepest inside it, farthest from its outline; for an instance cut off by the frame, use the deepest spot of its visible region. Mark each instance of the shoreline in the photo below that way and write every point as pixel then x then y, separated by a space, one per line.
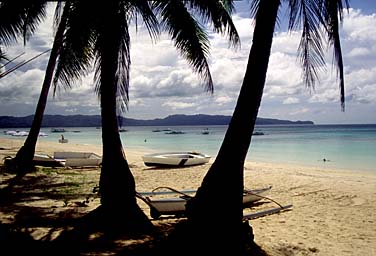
pixel 333 210
pixel 48 147
pixel 343 148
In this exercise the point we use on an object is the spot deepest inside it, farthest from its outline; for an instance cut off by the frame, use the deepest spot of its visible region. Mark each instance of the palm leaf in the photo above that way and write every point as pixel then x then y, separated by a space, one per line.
pixel 188 35
pixel 124 57
pixel 332 12
pixel 76 52
pixel 20 19
pixel 306 13
pixel 143 8
pixel 112 53
pixel 218 13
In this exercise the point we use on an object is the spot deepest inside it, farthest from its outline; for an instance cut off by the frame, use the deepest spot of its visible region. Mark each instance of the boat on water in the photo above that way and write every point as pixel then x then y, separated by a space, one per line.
pixel 162 130
pixel 174 132
pixel 175 159
pixel 58 130
pixel 205 131
pixel 176 205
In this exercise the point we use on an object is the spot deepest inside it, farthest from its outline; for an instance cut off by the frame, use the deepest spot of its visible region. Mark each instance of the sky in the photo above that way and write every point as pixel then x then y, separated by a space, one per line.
pixel 162 83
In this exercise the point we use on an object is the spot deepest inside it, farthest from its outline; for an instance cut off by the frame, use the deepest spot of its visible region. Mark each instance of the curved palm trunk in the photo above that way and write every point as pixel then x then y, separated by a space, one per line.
pixel 117 184
pixel 24 157
pixel 217 210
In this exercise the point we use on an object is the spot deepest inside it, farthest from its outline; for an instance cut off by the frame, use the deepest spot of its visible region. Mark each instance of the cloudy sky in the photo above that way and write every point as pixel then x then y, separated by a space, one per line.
pixel 163 84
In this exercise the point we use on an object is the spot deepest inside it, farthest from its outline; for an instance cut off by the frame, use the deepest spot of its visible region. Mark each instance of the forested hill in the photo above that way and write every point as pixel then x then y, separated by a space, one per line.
pixel 95 121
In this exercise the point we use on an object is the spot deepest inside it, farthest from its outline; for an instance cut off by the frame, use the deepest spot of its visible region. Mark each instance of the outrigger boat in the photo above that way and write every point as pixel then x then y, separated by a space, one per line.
pixel 176 205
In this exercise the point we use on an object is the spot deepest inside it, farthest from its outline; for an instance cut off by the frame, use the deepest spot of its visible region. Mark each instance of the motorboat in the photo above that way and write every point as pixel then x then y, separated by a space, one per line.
pixel 58 130
pixel 175 159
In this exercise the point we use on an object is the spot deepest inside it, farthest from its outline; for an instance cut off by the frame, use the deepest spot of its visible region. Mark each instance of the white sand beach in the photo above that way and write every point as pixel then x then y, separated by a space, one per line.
pixel 334 211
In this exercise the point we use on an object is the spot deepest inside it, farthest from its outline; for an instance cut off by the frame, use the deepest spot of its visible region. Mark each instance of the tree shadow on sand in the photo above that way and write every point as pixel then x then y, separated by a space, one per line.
pixel 42 214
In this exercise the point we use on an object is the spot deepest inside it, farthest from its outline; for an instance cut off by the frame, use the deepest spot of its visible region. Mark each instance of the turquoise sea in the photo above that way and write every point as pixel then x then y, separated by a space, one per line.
pixel 344 146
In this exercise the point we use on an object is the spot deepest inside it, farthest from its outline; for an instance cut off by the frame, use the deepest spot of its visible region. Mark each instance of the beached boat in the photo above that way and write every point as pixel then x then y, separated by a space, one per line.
pixel 175 159
pixel 176 205
pixel 67 159
pixel 16 133
pixel 46 160
pixel 78 159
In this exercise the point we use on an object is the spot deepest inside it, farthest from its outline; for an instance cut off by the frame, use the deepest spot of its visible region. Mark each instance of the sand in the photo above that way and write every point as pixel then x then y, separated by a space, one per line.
pixel 334 211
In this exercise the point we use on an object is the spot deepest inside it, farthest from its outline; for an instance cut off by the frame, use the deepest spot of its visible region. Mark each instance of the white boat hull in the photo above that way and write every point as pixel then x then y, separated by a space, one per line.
pixel 46 160
pixel 175 159
pixel 78 159
pixel 176 205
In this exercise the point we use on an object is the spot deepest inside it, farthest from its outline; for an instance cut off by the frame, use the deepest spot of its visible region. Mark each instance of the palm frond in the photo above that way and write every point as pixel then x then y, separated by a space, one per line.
pixel 254 6
pixel 143 8
pixel 218 13
pixel 76 54
pixel 124 56
pixel 310 50
pixel 189 37
pixel 332 15
pixel 57 15
pixel 3 57
pixel 20 19
pixel 112 53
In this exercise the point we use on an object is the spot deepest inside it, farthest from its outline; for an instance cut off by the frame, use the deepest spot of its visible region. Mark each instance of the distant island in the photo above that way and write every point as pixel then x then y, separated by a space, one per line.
pixel 172 120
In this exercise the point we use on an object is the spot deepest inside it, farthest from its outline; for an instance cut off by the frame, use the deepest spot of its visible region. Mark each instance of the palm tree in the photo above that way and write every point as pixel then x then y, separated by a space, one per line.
pixel 216 212
pixel 2 56
pixel 88 31
pixel 24 158
pixel 22 19
pixel 101 32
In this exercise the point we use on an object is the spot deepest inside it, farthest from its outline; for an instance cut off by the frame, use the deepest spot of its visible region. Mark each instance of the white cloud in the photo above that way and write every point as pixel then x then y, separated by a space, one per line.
pixel 291 100
pixel 359 52
pixel 178 105
pixel 299 111
pixel 223 100
pixel 162 82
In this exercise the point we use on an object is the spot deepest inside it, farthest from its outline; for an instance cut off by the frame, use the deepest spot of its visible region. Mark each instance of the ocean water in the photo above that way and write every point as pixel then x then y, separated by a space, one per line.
pixel 343 146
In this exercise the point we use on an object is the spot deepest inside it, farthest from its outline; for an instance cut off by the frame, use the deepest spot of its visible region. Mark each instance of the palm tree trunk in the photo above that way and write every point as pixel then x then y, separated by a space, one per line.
pixel 25 155
pixel 217 209
pixel 117 184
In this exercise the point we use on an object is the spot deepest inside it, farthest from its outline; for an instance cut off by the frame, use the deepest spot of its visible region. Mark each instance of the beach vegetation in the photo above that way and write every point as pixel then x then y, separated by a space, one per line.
pixel 23 19
pixel 103 36
pixel 100 33
pixel 216 210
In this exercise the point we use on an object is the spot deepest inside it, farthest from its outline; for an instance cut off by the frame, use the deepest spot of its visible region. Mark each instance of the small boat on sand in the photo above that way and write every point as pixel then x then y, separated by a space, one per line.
pixel 46 160
pixel 176 205
pixel 78 159
pixel 175 159
pixel 68 159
